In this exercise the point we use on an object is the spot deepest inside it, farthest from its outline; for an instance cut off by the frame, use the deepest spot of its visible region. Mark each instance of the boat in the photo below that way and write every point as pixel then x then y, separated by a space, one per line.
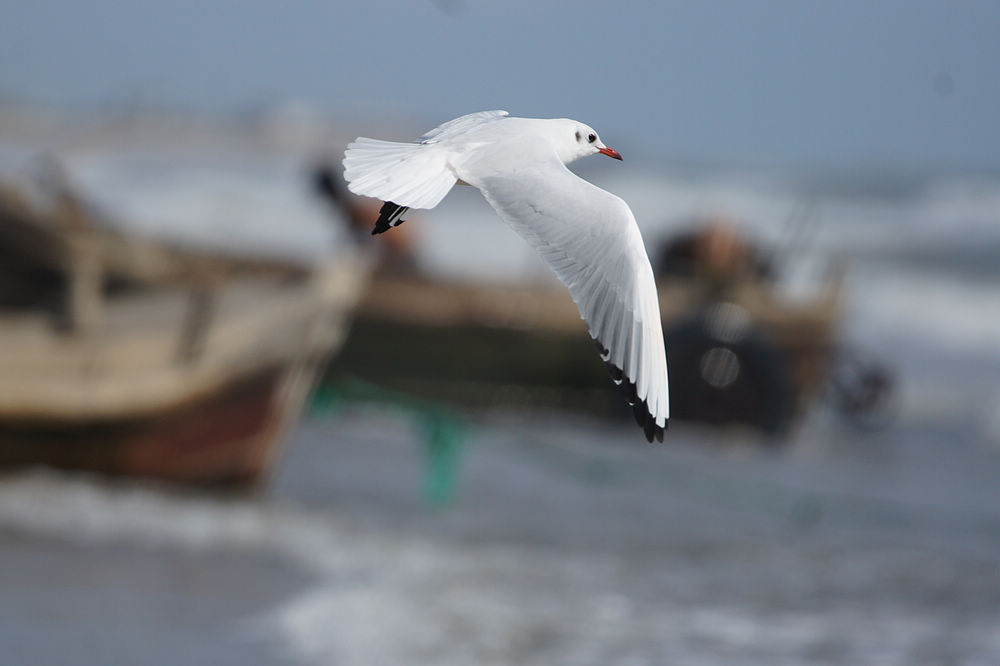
pixel 739 354
pixel 128 357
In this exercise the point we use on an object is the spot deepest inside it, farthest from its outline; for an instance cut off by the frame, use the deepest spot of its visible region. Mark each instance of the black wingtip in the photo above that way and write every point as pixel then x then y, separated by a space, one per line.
pixel 640 408
pixel 616 374
pixel 389 216
pixel 640 414
pixel 652 430
pixel 631 392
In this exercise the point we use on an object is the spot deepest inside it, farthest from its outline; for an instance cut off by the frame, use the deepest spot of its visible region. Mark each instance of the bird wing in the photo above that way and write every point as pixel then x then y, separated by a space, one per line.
pixel 590 239
pixel 460 125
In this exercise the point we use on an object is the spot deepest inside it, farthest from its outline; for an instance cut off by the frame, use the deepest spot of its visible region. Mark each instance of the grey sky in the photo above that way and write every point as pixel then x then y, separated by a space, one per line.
pixel 891 83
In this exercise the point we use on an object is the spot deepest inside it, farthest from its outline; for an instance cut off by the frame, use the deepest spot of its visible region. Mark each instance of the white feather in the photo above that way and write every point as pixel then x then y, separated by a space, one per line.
pixel 461 125
pixel 415 175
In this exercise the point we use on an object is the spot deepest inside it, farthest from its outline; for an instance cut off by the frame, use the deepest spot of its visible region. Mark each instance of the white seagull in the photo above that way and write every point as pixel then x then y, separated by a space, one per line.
pixel 587 235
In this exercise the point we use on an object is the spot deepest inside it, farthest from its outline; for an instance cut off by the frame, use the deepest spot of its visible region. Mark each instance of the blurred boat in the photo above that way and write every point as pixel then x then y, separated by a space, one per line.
pixel 124 356
pixel 738 353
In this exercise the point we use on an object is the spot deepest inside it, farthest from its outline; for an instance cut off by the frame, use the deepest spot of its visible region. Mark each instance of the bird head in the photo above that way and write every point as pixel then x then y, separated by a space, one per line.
pixel 577 140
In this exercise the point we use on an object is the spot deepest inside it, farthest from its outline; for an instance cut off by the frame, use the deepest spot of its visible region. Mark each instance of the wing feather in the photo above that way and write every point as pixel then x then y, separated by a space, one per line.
pixel 460 125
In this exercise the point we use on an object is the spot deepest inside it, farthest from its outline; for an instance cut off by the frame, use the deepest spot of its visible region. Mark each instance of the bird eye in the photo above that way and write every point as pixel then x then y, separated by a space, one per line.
pixel 592 137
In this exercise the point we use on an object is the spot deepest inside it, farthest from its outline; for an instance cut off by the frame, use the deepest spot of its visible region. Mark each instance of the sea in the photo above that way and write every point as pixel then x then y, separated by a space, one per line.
pixel 560 538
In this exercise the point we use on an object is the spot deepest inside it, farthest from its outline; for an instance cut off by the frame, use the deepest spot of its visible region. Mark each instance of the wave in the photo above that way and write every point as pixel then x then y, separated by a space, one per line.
pixel 81 509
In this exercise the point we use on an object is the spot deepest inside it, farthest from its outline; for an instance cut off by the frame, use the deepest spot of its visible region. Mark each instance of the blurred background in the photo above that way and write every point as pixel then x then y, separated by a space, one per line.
pixel 234 426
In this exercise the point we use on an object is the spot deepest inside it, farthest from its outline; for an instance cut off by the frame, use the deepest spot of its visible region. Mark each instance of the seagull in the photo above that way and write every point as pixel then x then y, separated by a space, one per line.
pixel 588 236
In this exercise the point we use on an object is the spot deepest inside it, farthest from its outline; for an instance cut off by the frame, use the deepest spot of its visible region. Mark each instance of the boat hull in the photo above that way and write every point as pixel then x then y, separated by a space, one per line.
pixel 227 439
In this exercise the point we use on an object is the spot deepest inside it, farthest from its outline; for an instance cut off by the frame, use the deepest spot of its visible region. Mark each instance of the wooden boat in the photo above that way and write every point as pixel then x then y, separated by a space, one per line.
pixel 126 357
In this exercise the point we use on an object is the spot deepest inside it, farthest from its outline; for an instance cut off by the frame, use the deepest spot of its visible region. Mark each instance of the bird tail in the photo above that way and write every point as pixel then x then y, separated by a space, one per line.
pixel 413 175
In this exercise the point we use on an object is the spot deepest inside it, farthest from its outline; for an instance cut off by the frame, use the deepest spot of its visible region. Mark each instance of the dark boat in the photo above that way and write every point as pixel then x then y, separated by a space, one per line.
pixel 739 356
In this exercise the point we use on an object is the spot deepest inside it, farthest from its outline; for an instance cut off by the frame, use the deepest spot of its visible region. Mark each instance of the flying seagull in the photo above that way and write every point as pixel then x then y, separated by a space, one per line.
pixel 588 236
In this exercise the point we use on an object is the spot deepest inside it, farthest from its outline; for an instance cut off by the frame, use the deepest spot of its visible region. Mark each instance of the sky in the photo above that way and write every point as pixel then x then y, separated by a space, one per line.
pixel 874 84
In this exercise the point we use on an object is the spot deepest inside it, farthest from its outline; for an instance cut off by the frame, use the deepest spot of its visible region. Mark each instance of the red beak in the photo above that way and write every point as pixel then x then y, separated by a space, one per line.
pixel 610 152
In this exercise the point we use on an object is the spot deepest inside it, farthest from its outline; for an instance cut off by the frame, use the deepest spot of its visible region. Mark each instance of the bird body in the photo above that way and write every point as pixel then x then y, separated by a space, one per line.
pixel 587 235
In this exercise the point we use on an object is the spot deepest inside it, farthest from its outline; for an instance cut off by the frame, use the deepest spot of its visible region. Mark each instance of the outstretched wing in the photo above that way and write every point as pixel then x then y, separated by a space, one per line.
pixel 461 124
pixel 590 239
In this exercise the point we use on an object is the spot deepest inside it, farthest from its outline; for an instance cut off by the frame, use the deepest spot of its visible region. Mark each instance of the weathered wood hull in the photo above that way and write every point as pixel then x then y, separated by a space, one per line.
pixel 146 361
pixel 226 439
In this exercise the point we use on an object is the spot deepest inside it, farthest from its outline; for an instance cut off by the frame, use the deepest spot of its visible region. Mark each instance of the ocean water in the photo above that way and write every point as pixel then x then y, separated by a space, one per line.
pixel 569 541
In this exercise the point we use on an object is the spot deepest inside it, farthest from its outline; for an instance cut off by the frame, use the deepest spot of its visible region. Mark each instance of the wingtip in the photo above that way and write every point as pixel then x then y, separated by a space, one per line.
pixel 640 414
pixel 632 393
pixel 654 431
pixel 640 407
pixel 616 374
